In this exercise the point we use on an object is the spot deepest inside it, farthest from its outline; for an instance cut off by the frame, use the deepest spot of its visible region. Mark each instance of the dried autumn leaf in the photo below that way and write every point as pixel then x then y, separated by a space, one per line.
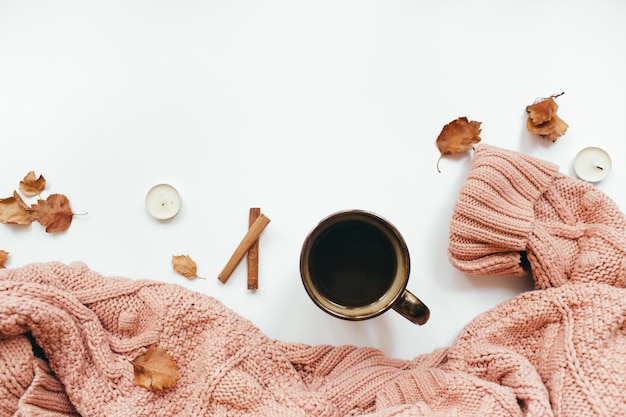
pixel 3 258
pixel 155 369
pixel 13 210
pixel 31 185
pixel 185 266
pixel 54 213
pixel 542 111
pixel 550 130
pixel 458 136
pixel 543 120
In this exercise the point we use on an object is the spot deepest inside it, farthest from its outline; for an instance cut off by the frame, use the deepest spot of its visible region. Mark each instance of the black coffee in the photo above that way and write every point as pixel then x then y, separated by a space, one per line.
pixel 352 263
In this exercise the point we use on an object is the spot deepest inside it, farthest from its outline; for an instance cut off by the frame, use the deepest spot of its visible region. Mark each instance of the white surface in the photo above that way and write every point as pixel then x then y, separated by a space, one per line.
pixel 301 108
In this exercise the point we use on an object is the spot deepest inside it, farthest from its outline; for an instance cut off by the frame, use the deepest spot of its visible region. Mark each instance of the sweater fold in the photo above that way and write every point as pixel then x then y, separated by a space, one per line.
pixel 68 334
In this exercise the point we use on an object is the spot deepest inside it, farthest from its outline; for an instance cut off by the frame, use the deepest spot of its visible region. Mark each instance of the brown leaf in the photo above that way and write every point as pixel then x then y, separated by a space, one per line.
pixel 54 213
pixel 458 136
pixel 3 258
pixel 551 130
pixel 185 266
pixel 155 370
pixel 31 185
pixel 543 120
pixel 13 210
pixel 542 111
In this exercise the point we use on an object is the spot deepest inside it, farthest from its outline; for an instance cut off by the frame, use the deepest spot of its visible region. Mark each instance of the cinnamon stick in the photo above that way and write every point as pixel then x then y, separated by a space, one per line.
pixel 250 237
pixel 253 253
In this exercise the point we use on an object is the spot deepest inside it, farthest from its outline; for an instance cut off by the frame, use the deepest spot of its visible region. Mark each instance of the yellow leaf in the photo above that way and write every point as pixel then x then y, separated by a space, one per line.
pixel 185 266
pixel 155 370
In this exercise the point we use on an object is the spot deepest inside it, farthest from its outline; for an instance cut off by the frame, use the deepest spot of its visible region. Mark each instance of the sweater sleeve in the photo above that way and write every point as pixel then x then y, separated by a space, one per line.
pixel 493 216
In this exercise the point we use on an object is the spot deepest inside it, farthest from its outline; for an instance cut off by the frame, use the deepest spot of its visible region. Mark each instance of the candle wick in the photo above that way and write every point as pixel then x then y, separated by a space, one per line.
pixel 599 167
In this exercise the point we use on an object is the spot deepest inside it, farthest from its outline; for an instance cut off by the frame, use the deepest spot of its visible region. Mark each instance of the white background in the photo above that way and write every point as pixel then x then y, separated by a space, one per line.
pixel 301 108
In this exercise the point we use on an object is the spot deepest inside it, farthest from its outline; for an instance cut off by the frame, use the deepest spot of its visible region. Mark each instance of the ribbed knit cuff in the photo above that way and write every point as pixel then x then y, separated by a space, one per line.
pixel 493 216
pixel 16 370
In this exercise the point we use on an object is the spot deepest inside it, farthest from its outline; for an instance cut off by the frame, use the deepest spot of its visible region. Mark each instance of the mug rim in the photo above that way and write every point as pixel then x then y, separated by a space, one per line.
pixel 361 312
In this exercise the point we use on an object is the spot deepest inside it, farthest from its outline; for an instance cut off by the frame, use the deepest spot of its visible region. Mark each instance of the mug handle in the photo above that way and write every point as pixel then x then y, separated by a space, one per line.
pixel 411 308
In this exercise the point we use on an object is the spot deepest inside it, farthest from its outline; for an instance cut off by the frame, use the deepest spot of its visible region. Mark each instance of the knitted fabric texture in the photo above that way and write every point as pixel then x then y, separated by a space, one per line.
pixel 67 335
pixel 514 208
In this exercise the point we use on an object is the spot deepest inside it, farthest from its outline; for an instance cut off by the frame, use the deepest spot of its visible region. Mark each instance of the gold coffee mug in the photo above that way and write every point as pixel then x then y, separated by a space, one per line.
pixel 355 265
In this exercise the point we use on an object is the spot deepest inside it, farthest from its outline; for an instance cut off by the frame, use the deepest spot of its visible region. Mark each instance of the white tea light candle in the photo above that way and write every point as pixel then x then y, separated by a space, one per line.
pixel 592 164
pixel 163 201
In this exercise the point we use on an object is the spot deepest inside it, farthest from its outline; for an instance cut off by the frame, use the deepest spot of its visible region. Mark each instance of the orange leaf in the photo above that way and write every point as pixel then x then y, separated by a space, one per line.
pixel 13 210
pixel 3 258
pixel 54 213
pixel 31 185
pixel 550 130
pixel 458 136
pixel 155 370
pixel 185 266
pixel 543 120
pixel 542 111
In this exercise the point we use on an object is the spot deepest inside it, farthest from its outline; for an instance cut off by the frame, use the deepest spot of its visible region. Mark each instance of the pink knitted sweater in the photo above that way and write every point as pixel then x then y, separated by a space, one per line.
pixel 67 333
